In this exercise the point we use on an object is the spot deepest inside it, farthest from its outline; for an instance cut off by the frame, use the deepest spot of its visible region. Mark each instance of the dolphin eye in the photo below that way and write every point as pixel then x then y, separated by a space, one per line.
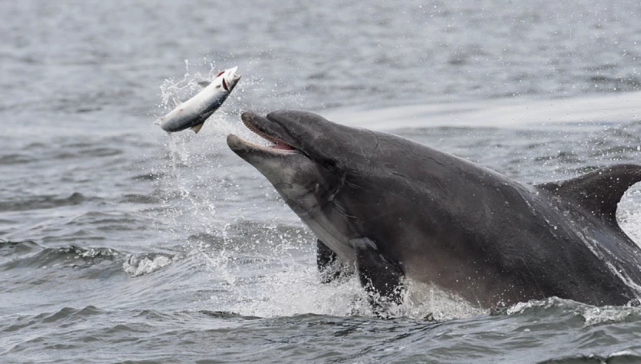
pixel 220 73
pixel 330 164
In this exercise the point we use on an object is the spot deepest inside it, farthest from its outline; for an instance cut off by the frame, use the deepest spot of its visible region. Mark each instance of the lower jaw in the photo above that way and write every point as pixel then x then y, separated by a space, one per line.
pixel 274 149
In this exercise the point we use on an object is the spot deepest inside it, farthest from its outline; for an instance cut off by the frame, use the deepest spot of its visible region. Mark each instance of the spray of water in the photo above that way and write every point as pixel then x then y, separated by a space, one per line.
pixel 629 213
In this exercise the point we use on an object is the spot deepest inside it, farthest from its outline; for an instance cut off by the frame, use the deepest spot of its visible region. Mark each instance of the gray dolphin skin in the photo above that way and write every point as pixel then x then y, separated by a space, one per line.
pixel 392 207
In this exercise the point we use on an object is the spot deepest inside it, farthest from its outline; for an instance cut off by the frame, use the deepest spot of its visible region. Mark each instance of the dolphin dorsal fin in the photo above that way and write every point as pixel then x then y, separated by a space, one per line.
pixel 598 191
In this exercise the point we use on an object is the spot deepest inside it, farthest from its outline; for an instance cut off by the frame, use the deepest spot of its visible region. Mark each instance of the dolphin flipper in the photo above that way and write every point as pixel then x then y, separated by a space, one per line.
pixel 380 277
pixel 324 256
pixel 327 262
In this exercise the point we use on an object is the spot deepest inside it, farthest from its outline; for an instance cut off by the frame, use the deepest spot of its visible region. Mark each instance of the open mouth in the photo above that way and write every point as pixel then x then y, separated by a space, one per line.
pixel 275 144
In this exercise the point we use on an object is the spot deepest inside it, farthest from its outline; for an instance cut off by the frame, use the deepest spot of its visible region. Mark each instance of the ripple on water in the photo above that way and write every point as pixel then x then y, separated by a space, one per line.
pixel 31 255
pixel 22 203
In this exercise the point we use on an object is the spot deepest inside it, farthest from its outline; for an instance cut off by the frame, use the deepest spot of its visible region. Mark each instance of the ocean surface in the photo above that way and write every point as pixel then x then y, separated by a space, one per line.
pixel 120 243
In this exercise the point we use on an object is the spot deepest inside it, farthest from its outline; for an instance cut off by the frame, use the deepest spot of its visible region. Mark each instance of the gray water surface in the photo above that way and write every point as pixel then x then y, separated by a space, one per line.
pixel 119 243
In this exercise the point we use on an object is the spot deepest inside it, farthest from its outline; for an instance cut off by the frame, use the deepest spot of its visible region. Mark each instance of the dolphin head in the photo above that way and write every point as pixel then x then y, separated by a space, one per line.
pixel 299 163
pixel 308 164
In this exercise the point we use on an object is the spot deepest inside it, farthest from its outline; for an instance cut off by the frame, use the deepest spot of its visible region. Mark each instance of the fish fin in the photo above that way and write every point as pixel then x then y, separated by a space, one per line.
pixel 204 84
pixel 598 191
pixel 196 128
pixel 176 101
pixel 381 277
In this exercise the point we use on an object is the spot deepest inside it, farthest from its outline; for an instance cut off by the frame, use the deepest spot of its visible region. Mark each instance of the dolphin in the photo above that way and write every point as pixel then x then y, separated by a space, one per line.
pixel 394 208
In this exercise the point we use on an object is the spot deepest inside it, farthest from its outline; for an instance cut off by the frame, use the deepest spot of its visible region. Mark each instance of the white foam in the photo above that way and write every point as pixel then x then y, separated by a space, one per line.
pixel 629 213
pixel 600 315
pixel 138 265
pixel 296 289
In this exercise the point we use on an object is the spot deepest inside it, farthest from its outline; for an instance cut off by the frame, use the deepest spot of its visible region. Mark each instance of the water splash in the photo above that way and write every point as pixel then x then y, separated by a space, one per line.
pixel 629 213
pixel 284 281
pixel 609 314
pixel 140 264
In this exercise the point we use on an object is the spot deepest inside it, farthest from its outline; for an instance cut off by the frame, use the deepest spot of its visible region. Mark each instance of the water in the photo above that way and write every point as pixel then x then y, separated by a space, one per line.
pixel 119 243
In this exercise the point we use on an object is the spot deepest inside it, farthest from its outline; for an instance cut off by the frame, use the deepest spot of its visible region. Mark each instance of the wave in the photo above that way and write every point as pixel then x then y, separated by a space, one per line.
pixel 615 84
pixel 590 315
pixel 42 202
pixel 515 113
pixel 625 356
pixel 29 254
pixel 15 159
pixel 141 264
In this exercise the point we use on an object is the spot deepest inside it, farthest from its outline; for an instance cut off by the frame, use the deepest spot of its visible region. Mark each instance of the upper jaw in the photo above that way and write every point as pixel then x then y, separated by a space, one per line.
pixel 268 129
pixel 261 126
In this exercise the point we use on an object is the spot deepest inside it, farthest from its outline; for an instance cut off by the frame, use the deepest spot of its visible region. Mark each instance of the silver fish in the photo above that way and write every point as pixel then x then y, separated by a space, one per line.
pixel 193 112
